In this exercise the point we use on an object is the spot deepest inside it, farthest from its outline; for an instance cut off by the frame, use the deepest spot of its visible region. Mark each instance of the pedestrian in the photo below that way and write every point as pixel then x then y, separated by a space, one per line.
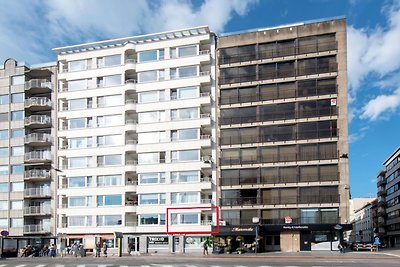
pixel 98 249
pixel 81 250
pixel 74 249
pixel 205 247
pixel 341 247
pixel 52 250
pixel 104 249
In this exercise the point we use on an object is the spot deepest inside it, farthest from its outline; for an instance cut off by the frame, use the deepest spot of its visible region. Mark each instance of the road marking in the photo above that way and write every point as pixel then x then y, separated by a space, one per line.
pixel 215 266
pixel 40 265
pixel 82 265
pixel 102 265
pixel 21 265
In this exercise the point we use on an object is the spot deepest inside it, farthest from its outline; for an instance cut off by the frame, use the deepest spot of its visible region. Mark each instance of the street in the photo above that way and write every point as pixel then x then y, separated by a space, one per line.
pixel 168 260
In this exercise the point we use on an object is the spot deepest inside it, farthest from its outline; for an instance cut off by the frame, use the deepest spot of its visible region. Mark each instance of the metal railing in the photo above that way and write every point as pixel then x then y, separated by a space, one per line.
pixel 130 60
pixel 131 121
pixel 38 155
pixel 38 119
pixel 38 101
pixel 130 81
pixel 37 210
pixel 32 192
pixel 45 174
pixel 38 83
pixel 245 201
pixel 38 137
pixel 131 162
pixel 36 228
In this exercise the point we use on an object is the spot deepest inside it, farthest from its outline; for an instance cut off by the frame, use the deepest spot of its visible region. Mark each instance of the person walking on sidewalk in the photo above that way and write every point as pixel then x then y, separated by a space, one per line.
pixel 205 247
pixel 98 249
pixel 104 249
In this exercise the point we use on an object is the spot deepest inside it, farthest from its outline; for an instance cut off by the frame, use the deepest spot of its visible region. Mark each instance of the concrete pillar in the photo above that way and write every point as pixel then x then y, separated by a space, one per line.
pixel 144 245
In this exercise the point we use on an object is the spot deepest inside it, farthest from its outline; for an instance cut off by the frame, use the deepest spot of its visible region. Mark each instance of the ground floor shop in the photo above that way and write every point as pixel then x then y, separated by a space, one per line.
pixel 287 238
pixel 11 246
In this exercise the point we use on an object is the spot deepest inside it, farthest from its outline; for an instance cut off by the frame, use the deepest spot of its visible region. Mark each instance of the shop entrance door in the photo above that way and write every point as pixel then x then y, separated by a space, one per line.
pixel 133 245
pixel 290 241
pixel 305 241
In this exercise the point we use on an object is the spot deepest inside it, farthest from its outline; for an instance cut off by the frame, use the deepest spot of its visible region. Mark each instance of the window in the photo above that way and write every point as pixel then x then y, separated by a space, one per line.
pixel 3 170
pixel 109 81
pixel 186 51
pixel 17 115
pixel 109 220
pixel 151 55
pixel 152 96
pixel 185 155
pixel 184 134
pixel 79 221
pixel 109 101
pixel 81 201
pixel 3 187
pixel 3 117
pixel 77 65
pixel 185 177
pixel 79 123
pixel 149 199
pixel 148 158
pixel 18 80
pixel 186 218
pixel 17 205
pixel 109 160
pixel 80 142
pixel 109 120
pixel 17 151
pixel 109 180
pixel 17 187
pixel 78 85
pixel 17 133
pixel 109 200
pixel 78 162
pixel 153 116
pixel 4 152
pixel 109 140
pixel 80 181
pixel 109 61
pixel 152 219
pixel 184 93
pixel 184 114
pixel 3 134
pixel 3 205
pixel 185 197
pixel 4 99
pixel 183 72
pixel 151 76
pixel 77 104
pixel 151 137
pixel 17 223
pixel 4 223
pixel 17 169
pixel 17 98
pixel 152 178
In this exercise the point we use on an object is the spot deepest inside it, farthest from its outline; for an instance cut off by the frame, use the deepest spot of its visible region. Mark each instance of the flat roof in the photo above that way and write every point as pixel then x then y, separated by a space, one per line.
pixel 391 157
pixel 153 37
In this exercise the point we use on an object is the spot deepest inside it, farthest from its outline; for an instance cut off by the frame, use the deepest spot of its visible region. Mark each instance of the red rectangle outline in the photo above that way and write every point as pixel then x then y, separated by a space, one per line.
pixel 195 232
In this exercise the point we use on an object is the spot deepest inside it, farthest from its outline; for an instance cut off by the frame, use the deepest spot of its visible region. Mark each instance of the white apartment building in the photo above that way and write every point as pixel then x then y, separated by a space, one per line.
pixel 136 130
pixel 363 224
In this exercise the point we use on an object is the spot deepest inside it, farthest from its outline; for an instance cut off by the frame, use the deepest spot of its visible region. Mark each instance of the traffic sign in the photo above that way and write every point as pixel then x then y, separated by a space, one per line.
pixel 4 233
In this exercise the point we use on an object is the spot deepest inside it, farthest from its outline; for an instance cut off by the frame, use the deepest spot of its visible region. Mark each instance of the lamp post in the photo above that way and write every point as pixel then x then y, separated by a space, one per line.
pixel 256 220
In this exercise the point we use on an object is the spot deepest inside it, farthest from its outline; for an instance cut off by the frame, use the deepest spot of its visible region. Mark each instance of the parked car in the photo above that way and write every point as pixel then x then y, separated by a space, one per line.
pixel 361 246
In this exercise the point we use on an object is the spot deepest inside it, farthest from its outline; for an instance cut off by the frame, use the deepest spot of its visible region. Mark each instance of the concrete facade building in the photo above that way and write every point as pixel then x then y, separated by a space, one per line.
pixel 363 224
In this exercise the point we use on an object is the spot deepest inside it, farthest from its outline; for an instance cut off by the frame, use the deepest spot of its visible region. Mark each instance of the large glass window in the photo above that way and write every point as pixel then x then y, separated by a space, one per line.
pixel 151 137
pixel 79 221
pixel 4 99
pixel 17 169
pixel 151 55
pixel 109 140
pixel 4 152
pixel 152 219
pixel 17 223
pixel 148 158
pixel 4 187
pixel 109 220
pixel 186 51
pixel 77 123
pixel 185 218
pixel 17 98
pixel 150 199
pixel 109 120
pixel 109 61
pixel 152 96
pixel 83 103
pixel 109 101
pixel 109 200
pixel 108 81
pixel 78 162
pixel 81 201
pixel 3 134
pixel 17 115
pixel 3 117
pixel 185 177
pixel 109 160
pixel 4 205
pixel 80 181
pixel 18 80
pixel 77 65
pixel 184 114
pixel 185 155
pixel 17 133
pixel 185 197
pixel 152 178
pixel 184 134
pixel 109 180
pixel 80 142
pixel 4 223
pixel 17 151
pixel 17 186
pixel 17 204
pixel 152 116
pixel 183 72
pixel 77 85
pixel 3 170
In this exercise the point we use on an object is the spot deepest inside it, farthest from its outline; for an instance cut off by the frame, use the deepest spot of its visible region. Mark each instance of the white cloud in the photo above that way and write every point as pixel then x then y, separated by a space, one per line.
pixel 376 107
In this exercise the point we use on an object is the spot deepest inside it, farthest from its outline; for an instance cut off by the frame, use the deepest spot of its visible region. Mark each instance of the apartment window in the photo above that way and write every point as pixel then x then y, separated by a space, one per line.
pixel 79 123
pixel 3 134
pixel 152 116
pixel 185 177
pixel 3 187
pixel 185 218
pixel 77 65
pixel 109 101
pixel 81 201
pixel 3 117
pixel 109 180
pixel 17 133
pixel 78 162
pixel 151 199
pixel 184 72
pixel 77 104
pixel 79 221
pixel 152 178
pixel 77 85
pixel 109 220
pixel 109 61
pixel 184 51
pixel 3 170
pixel 185 155
pixel 4 152
pixel 185 197
pixel 151 55
pixel 17 186
pixel 17 223
pixel 148 158
pixel 17 169
pixel 80 142
pixel 17 115
pixel 152 219
pixel 17 204
pixel 152 96
pixel 184 134
pixel 185 93
pixel 4 99
pixel 17 151
pixel 109 120
pixel 79 181
pixel 109 200
pixel 3 205
pixel 18 80
pixel 108 81
pixel 109 160
pixel 184 114
pixel 151 137
pixel 109 140
pixel 151 76
pixel 17 98
pixel 4 223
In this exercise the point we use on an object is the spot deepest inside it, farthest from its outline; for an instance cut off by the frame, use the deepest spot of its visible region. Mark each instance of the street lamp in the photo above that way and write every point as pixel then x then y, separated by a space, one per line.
pixel 256 220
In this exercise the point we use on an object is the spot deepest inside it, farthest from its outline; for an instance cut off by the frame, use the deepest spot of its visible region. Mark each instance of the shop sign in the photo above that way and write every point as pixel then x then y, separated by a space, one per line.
pixel 288 219
pixel 295 227
pixel 157 240
pixel 242 229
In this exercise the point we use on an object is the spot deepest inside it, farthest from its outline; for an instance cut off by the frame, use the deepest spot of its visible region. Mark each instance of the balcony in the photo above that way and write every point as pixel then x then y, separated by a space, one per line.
pixel 382 192
pixel 37 175
pixel 38 103
pixel 37 192
pixel 37 211
pixel 38 156
pixel 38 139
pixel 130 85
pixel 37 229
pixel 38 86
pixel 38 121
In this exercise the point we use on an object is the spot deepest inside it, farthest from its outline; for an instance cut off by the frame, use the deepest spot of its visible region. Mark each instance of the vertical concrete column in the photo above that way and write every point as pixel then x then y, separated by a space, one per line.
pixel 182 240
pixel 171 244
pixel 144 244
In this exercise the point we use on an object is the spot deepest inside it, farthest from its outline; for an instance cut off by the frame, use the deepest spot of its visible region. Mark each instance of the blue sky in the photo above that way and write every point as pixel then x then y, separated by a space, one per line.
pixel 29 29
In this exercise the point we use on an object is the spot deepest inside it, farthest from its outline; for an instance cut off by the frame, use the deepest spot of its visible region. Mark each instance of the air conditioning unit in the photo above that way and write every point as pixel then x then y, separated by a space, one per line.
pixel 222 223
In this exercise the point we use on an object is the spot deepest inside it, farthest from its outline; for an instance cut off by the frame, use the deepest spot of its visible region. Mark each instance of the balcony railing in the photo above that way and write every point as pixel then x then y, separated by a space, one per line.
pixel 245 201
pixel 37 228
pixel 38 137
pixel 38 83
pixel 38 119
pixel 37 210
pixel 31 174
pixel 38 101
pixel 38 156
pixel 37 192
pixel 130 60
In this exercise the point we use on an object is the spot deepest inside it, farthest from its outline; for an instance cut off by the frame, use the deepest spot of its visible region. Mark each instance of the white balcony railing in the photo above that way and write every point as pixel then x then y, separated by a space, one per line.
pixel 38 83
pixel 37 192
pixel 37 210
pixel 38 101
pixel 38 155
pixel 37 174
pixel 38 137
pixel 38 119
pixel 37 228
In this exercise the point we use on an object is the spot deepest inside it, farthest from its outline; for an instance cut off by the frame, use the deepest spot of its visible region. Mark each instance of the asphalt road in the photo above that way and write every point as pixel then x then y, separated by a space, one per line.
pixel 364 260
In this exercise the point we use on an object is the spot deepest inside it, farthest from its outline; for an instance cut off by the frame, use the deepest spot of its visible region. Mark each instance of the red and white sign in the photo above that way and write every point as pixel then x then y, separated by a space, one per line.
pixel 333 102
pixel 288 219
